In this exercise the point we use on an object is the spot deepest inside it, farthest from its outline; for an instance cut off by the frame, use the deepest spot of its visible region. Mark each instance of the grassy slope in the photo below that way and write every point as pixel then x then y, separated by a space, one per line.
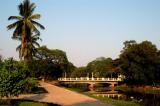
pixel 32 104
pixel 107 100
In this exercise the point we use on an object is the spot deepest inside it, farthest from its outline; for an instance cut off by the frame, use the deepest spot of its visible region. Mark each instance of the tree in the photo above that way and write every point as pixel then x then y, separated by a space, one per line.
pixel 25 27
pixel 70 68
pixel 140 63
pixel 101 67
pixel 52 62
pixel 1 63
pixel 79 72
pixel 128 43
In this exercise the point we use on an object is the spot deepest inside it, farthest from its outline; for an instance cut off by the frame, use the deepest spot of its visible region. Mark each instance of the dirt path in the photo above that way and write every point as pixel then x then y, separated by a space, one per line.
pixel 63 97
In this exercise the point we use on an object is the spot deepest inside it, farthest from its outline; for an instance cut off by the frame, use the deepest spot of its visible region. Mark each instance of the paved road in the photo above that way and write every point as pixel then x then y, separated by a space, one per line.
pixel 63 97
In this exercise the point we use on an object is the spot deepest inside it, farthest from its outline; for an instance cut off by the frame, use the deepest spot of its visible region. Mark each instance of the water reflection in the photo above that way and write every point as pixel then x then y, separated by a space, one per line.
pixel 141 98
pixel 113 95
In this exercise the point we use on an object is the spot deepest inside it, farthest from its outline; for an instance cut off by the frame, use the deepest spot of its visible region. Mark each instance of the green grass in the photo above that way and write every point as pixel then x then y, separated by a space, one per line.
pixel 31 104
pixel 7 102
pixel 107 100
pixel 152 92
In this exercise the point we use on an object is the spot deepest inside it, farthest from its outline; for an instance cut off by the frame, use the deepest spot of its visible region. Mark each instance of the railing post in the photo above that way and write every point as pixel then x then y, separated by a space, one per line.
pixel 87 78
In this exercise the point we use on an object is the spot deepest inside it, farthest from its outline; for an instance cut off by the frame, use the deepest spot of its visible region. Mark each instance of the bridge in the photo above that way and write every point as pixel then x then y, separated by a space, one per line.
pixel 92 81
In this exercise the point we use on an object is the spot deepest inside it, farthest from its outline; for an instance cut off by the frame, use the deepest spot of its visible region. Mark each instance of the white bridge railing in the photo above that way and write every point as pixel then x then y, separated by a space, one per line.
pixel 90 79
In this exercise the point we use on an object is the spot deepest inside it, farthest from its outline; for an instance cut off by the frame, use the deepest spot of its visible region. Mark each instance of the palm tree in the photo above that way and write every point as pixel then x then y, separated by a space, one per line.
pixel 25 27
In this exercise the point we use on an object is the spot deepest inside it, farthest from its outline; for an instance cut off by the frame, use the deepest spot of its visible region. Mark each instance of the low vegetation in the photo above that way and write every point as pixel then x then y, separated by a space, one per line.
pixel 117 102
pixel 15 78
pixel 140 89
pixel 107 100
pixel 24 103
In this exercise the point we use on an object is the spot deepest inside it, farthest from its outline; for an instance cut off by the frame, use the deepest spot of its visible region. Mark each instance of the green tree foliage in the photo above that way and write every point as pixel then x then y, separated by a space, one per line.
pixel 70 68
pixel 101 67
pixel 50 63
pixel 79 72
pixel 14 78
pixel 25 27
pixel 140 63
pixel 1 63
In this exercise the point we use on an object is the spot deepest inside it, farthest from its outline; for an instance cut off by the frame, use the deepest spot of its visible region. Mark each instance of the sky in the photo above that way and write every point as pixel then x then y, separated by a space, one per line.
pixel 86 29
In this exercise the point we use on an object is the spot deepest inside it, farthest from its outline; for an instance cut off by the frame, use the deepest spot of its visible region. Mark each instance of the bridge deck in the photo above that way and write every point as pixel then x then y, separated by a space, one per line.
pixel 87 79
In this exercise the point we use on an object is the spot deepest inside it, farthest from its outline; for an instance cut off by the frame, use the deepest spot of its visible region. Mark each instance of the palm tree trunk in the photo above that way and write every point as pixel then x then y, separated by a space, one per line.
pixel 23 46
pixel 31 47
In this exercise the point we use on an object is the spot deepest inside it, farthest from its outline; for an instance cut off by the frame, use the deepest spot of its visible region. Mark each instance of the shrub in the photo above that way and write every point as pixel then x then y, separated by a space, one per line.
pixel 14 79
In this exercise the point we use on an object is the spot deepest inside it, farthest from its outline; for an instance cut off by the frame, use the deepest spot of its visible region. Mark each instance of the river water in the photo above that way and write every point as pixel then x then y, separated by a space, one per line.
pixel 141 98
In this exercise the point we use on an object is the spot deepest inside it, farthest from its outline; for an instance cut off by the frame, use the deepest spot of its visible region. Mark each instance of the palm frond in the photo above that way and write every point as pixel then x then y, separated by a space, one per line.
pixel 38 24
pixel 36 44
pixel 19 38
pixel 18 48
pixel 36 37
pixel 35 16
pixel 32 8
pixel 18 30
pixel 21 10
pixel 15 18
pixel 31 26
pixel 14 25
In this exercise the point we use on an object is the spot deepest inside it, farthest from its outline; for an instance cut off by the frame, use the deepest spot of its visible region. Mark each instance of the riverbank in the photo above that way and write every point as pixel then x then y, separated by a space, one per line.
pixel 105 99
pixel 140 89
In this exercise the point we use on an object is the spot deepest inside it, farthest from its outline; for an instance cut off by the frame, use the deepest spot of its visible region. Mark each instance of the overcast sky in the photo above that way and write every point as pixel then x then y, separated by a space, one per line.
pixel 87 29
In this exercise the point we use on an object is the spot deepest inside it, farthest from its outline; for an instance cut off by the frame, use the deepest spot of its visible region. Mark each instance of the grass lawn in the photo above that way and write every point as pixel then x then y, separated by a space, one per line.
pixel 7 102
pixel 152 92
pixel 31 104
pixel 107 100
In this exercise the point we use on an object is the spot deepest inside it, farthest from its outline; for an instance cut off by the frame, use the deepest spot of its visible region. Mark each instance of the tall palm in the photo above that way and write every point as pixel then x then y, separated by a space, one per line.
pixel 25 27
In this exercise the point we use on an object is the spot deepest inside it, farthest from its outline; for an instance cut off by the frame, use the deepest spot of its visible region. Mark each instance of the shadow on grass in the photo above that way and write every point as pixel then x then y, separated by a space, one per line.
pixel 17 102
pixel 36 97
pixel 39 90
pixel 90 103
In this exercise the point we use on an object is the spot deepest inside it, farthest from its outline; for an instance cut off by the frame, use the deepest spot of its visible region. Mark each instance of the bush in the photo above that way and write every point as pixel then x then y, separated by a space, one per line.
pixel 14 79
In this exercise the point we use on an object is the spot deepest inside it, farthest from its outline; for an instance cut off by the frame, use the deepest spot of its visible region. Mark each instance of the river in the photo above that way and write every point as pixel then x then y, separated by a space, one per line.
pixel 106 92
pixel 141 98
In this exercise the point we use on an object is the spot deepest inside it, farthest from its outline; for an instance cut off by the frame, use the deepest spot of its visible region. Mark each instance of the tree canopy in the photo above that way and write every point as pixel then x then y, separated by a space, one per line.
pixel 100 67
pixel 51 63
pixel 140 63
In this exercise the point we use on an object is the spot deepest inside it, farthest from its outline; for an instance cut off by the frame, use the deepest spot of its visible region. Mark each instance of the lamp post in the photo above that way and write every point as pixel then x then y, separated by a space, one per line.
pixel 92 75
pixel 65 75
pixel 87 75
